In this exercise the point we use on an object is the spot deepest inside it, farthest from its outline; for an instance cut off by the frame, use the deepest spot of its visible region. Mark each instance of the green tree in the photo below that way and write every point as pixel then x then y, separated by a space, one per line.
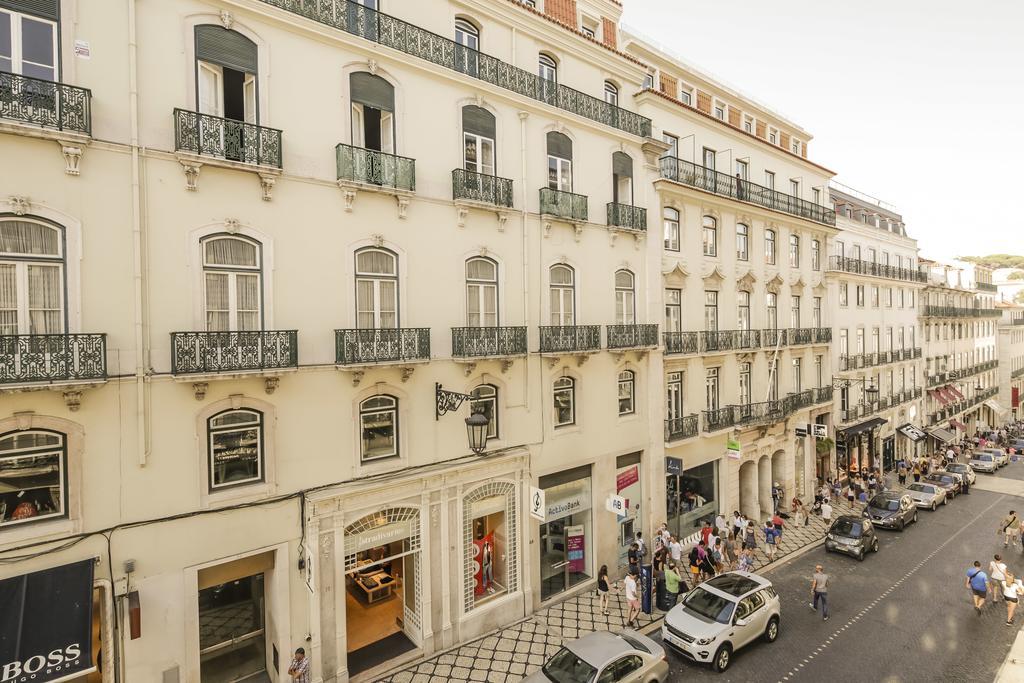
pixel 1016 275
pixel 996 260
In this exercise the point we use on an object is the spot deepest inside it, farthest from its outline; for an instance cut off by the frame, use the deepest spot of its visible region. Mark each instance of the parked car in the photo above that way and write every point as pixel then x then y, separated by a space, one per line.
pixel 947 480
pixel 851 535
pixel 964 470
pixel 601 656
pixel 926 495
pixel 983 462
pixel 1001 456
pixel 891 510
pixel 722 615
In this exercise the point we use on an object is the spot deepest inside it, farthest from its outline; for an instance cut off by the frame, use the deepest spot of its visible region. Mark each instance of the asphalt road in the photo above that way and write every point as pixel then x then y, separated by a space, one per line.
pixel 902 615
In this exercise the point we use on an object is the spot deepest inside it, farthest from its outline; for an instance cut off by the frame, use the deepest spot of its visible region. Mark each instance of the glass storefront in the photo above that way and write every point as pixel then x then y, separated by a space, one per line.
pixel 232 644
pixel 565 558
pixel 691 496
pixel 489 531
pixel 627 485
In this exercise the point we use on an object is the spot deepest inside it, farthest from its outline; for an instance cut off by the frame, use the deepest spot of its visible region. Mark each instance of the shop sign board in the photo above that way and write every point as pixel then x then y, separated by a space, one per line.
pixel 568 503
pixel 627 478
pixel 383 535
pixel 537 503
pixel 617 504
pixel 732 449
pixel 673 465
pixel 820 431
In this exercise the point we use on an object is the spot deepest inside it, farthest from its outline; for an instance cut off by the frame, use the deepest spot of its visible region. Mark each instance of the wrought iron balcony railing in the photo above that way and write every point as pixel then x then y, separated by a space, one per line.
pixel 729 340
pixel 821 395
pixel 681 427
pixel 822 335
pixel 569 338
pixel 986 286
pixel 627 216
pixel 720 418
pixel 368 166
pixel 758 413
pixel 208 352
pixel 800 335
pixel 932 311
pixel 632 336
pixel 709 180
pixel 45 103
pixel 771 337
pixel 870 360
pixel 565 205
pixel 476 342
pixel 479 187
pixel 1017 373
pixel 386 30
pixel 228 139
pixel 26 358
pixel 381 345
pixel 861 267
pixel 681 342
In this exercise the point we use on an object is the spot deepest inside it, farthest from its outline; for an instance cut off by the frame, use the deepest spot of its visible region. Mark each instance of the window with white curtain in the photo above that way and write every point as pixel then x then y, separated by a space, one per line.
pixel 232 278
pixel 376 289
pixel 563 295
pixel 625 298
pixel 31 278
pixel 481 293
pixel 671 222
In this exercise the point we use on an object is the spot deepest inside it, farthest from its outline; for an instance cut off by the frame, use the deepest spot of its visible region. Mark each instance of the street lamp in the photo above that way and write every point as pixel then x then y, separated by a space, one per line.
pixel 476 427
pixel 476 424
pixel 869 392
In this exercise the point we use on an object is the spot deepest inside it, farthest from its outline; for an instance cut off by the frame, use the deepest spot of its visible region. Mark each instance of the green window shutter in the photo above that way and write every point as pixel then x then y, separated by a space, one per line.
pixel 47 9
pixel 218 45
pixel 372 91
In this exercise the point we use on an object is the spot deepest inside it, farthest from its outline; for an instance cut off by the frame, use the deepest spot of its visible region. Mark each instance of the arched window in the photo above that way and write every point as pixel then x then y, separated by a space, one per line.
pixel 233 283
pixel 485 402
pixel 563 295
pixel 559 162
pixel 622 178
pixel 670 218
pixel 33 477
pixel 467 41
pixel 378 428
pixel 627 390
pixel 32 281
pixel 376 289
pixel 742 242
pixel 235 448
pixel 625 298
pixel 547 69
pixel 373 112
pixel 564 396
pixel 710 236
pixel 611 93
pixel 478 135
pixel 226 80
pixel 467 34
pixel 481 293
pixel 769 247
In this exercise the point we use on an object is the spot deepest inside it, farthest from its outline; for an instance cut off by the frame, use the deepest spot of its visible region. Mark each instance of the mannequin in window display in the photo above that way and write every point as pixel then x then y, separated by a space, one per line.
pixel 488 568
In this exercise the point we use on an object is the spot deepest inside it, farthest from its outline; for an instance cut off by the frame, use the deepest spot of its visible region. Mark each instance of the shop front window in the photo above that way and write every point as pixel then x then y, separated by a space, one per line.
pixel 565 536
pixel 491 567
pixel 692 498
pixel 33 477
pixel 232 619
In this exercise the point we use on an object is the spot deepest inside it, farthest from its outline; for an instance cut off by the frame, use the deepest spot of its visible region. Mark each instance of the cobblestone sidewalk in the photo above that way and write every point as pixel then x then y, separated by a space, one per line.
pixel 519 649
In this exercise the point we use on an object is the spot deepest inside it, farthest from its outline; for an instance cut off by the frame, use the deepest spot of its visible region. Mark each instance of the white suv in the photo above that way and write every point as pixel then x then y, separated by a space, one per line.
pixel 722 615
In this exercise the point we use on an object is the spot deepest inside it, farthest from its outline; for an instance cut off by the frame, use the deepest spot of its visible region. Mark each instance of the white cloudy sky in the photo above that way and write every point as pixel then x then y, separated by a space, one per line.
pixel 917 102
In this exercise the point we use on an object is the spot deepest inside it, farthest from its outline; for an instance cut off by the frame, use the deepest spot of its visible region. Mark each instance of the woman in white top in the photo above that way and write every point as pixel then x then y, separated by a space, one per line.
pixel 1012 589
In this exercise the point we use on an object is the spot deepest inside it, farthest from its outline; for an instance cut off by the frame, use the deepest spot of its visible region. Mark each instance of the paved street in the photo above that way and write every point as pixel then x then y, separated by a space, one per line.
pixel 901 615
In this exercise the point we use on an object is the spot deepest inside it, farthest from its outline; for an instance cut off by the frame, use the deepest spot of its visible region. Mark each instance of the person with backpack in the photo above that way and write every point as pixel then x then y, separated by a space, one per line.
pixel 977 581
pixel 770 539
pixel 1008 528
pixel 778 524
pixel 641 546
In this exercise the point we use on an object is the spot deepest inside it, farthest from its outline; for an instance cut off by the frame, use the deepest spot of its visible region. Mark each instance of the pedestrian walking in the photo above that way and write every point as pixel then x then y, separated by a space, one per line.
pixel 721 525
pixel 776 497
pixel 965 485
pixel 705 532
pixel 1009 527
pixel 672 582
pixel 694 559
pixel 917 471
pixel 977 581
pixel 737 523
pixel 1012 590
pixel 746 563
pixel 299 667
pixel 729 550
pixel 996 572
pixel 641 546
pixel 819 591
pixel 826 514
pixel 707 567
pixel 633 555
pixel 769 539
pixel 749 538
pixel 603 588
pixel 778 524
pixel 632 598
pixel 675 549
pixel 901 473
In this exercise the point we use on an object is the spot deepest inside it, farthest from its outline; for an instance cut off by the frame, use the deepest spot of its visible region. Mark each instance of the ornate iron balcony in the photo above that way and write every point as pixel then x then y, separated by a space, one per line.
pixel 241 351
pixel 757 413
pixel 771 338
pixel 822 335
pixel 569 338
pixel 632 336
pixel 729 340
pixel 475 342
pixel 931 311
pixel 720 418
pixel 45 103
pixel 565 205
pixel 359 165
pixel 861 267
pixel 386 30
pixel 214 136
pixel 681 342
pixel 627 216
pixel 478 187
pixel 381 345
pixel 821 395
pixel 28 358
pixel 709 180
pixel 986 286
pixel 681 427
pixel 800 335
pixel 1017 373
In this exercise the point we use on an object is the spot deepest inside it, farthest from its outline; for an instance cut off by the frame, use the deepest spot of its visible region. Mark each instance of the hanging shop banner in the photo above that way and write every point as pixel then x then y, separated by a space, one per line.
pixel 732 449
pixel 1015 397
pixel 46 624
pixel 627 478
pixel 576 549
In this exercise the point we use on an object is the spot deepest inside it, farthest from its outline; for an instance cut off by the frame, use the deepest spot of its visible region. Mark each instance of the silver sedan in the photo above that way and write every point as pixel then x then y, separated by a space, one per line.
pixel 926 495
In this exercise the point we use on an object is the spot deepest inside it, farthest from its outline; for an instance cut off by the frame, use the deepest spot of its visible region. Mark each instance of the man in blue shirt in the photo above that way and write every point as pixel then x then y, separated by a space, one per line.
pixel 977 581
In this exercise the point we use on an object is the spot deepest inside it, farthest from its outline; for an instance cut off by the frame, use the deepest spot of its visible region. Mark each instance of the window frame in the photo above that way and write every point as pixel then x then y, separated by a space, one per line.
pixel 770 247
pixel 562 288
pixel 568 386
pixel 627 295
pixel 711 321
pixel 469 29
pixel 794 251
pixel 22 262
pixel 816 255
pixel 493 424
pixel 364 412
pixel 481 286
pixel 611 93
pixel 233 272
pixel 61 451
pixel 711 228
pixel 627 378
pixel 547 63
pixel 261 460
pixel 376 279
pixel 674 310
pixel 674 223
pixel 17 43
pixel 742 242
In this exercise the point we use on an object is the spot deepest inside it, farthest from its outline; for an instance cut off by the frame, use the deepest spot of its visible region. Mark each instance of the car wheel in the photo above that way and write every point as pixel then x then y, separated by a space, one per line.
pixel 860 555
pixel 945 500
pixel 933 506
pixel 899 527
pixel 874 546
pixel 723 657
pixel 914 520
pixel 771 631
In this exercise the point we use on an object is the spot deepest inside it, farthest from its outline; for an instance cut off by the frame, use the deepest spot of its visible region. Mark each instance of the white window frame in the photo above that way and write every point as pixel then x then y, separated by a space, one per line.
pixel 709 224
pixel 547 68
pixel 233 272
pixel 61 449
pixel 611 93
pixel 21 264
pixel 627 381
pixel 625 299
pixel 477 288
pixel 562 317
pixel 17 45
pixel 395 426
pixel 211 431
pixel 672 243
pixel 566 386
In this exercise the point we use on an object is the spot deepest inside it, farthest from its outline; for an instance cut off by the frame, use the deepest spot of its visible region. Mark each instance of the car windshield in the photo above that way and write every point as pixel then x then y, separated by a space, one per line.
pixel 709 605
pixel 847 527
pixel 884 503
pixel 567 667
pixel 635 643
pixel 923 488
pixel 984 457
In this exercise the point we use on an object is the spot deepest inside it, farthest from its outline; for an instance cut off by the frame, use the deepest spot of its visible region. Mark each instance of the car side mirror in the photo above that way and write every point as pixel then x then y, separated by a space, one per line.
pixel 742 622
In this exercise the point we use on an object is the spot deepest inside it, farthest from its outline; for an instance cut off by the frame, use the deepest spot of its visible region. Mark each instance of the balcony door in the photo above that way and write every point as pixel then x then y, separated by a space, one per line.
pixel 478 133
pixel 31 278
pixel 233 284
pixel 481 293
pixel 373 112
pixel 674 396
pixel 622 178
pixel 563 296
pixel 559 162
pixel 226 64
pixel 376 289
pixel 28 44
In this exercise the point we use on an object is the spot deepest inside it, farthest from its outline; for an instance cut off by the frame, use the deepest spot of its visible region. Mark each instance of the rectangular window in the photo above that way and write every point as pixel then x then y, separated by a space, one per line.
pixel 720 112
pixel 769 180
pixel 711 389
pixel 888 297
pixel 742 242
pixel 874 296
pixel 673 145
pixel 860 340
pixel 28 46
pixel 901 299
pixel 844 294
pixel 711 311
pixel 795 312
pixel 748 125
pixel 794 187
pixel 844 343
pixel 860 296
pixel 872 255
pixel 816 195
pixel 742 169
pixel 33 469
pixel 816 312
pixel 798 375
pixel 815 255
pixel 709 158
pixel 745 384
pixel 626 388
pixel 673 310
pixel 819 370
pixel 674 395
pixel 710 236
pixel 769 247
pixel 875 340
pixel 670 221
pixel 685 97
pixel 564 396
pixel 773 136
pixel 794 251
pixel 378 419
pixel 743 310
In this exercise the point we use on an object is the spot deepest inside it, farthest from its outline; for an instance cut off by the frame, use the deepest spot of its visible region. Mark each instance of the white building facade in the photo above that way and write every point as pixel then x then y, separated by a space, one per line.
pixel 1010 347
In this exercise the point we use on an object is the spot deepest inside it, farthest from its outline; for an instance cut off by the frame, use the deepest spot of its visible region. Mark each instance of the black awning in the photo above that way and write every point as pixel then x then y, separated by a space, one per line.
pixel 942 435
pixel 46 624
pixel 861 427
pixel 912 432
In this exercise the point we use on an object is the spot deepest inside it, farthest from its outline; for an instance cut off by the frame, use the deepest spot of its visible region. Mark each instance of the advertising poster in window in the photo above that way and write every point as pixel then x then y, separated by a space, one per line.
pixel 576 548
pixel 483 563
pixel 627 485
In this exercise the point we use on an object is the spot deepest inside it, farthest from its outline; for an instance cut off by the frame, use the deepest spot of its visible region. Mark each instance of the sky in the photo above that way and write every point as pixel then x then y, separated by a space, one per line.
pixel 919 103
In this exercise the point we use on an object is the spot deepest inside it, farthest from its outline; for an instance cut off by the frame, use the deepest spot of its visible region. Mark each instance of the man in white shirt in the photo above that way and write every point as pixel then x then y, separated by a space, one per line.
pixel 826 513
pixel 996 572
pixel 675 549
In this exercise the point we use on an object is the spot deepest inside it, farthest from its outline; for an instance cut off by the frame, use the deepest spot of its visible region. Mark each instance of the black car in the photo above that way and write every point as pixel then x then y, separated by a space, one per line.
pixel 891 510
pixel 851 535
pixel 947 480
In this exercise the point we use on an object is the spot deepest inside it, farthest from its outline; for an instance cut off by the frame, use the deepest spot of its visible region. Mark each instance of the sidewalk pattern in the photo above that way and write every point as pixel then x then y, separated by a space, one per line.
pixel 519 649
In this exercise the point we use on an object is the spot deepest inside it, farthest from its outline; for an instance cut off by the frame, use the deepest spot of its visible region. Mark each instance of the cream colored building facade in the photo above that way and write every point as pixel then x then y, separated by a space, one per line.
pixel 1010 347
pixel 876 285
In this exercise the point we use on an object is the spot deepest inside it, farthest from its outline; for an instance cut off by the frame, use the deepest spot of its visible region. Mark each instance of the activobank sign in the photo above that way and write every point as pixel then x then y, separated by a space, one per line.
pixel 46 624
